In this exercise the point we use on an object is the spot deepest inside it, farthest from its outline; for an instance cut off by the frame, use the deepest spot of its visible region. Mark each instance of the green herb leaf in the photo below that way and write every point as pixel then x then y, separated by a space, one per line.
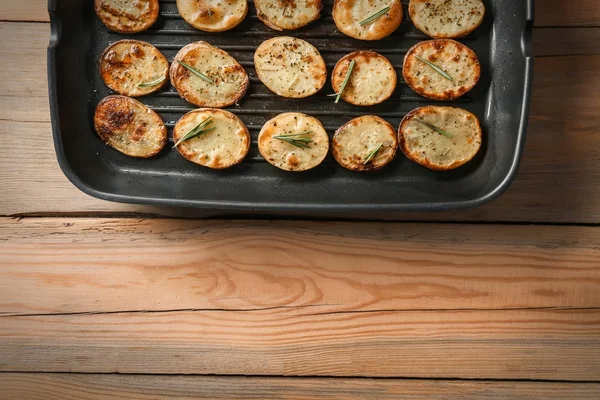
pixel 433 127
pixel 346 79
pixel 296 139
pixel 199 130
pixel 196 72
pixel 374 17
pixel 152 83
pixel 435 68
pixel 371 156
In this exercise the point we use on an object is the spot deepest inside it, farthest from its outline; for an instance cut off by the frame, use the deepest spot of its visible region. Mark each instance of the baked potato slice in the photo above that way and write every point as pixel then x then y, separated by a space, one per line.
pixel 372 79
pixel 440 138
pixel 290 67
pixel 446 19
pixel 222 142
pixel 207 76
pixel 130 127
pixel 127 16
pixel 293 142
pixel 134 68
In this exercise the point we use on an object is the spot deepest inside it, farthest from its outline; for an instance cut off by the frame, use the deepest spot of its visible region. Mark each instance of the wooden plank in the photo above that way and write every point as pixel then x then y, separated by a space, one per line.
pixel 24 10
pixel 567 13
pixel 548 12
pixel 57 265
pixel 503 344
pixel 561 145
pixel 566 41
pixel 138 387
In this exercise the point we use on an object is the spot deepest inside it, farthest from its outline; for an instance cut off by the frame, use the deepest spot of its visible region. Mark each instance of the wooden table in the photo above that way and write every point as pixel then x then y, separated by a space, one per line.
pixel 110 300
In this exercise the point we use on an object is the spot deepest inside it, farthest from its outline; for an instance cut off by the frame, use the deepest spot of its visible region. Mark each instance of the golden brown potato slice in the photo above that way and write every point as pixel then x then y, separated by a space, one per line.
pixel 134 68
pixel 372 79
pixel 441 69
pixel 440 138
pixel 290 67
pixel 366 143
pixel 367 20
pixel 213 16
pixel 215 80
pixel 288 14
pixel 293 142
pixel 225 143
pixel 127 16
pixel 130 127
pixel 446 19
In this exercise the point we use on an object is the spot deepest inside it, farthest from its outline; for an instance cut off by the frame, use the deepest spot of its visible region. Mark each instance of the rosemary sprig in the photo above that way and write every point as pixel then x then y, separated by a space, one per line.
pixel 201 129
pixel 296 139
pixel 435 68
pixel 371 156
pixel 346 79
pixel 152 83
pixel 433 127
pixel 373 17
pixel 196 72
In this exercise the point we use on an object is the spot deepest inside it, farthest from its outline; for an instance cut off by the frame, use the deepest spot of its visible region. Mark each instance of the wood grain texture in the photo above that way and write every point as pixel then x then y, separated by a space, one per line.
pixel 134 387
pixel 24 10
pixel 300 298
pixel 548 12
pixel 563 133
pixel 566 41
pixel 116 265
pixel 567 13
pixel 538 344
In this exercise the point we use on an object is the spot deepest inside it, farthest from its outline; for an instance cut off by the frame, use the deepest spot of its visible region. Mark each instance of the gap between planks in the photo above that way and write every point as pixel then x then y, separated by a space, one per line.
pixel 27 386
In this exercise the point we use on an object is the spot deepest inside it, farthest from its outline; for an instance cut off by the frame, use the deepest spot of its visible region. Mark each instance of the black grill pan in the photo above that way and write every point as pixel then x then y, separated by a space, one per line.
pixel 500 100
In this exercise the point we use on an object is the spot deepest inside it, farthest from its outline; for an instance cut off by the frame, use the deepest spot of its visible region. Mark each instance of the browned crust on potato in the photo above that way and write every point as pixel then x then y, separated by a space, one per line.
pixel 261 16
pixel 463 33
pixel 177 73
pixel 285 3
pixel 146 20
pixel 106 66
pixel 439 45
pixel 189 155
pixel 357 162
pixel 341 70
pixel 118 114
pixel 424 161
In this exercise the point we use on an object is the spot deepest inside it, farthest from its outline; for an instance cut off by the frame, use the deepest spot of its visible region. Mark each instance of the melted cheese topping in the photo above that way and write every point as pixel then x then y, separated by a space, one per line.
pixel 357 139
pixel 288 14
pixel 213 15
pixel 446 18
pixel 127 64
pixel 130 127
pixel 433 150
pixel 290 67
pixel 287 156
pixel 230 80
pixel 373 78
pixel 348 14
pixel 127 16
pixel 224 147
pixel 456 59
